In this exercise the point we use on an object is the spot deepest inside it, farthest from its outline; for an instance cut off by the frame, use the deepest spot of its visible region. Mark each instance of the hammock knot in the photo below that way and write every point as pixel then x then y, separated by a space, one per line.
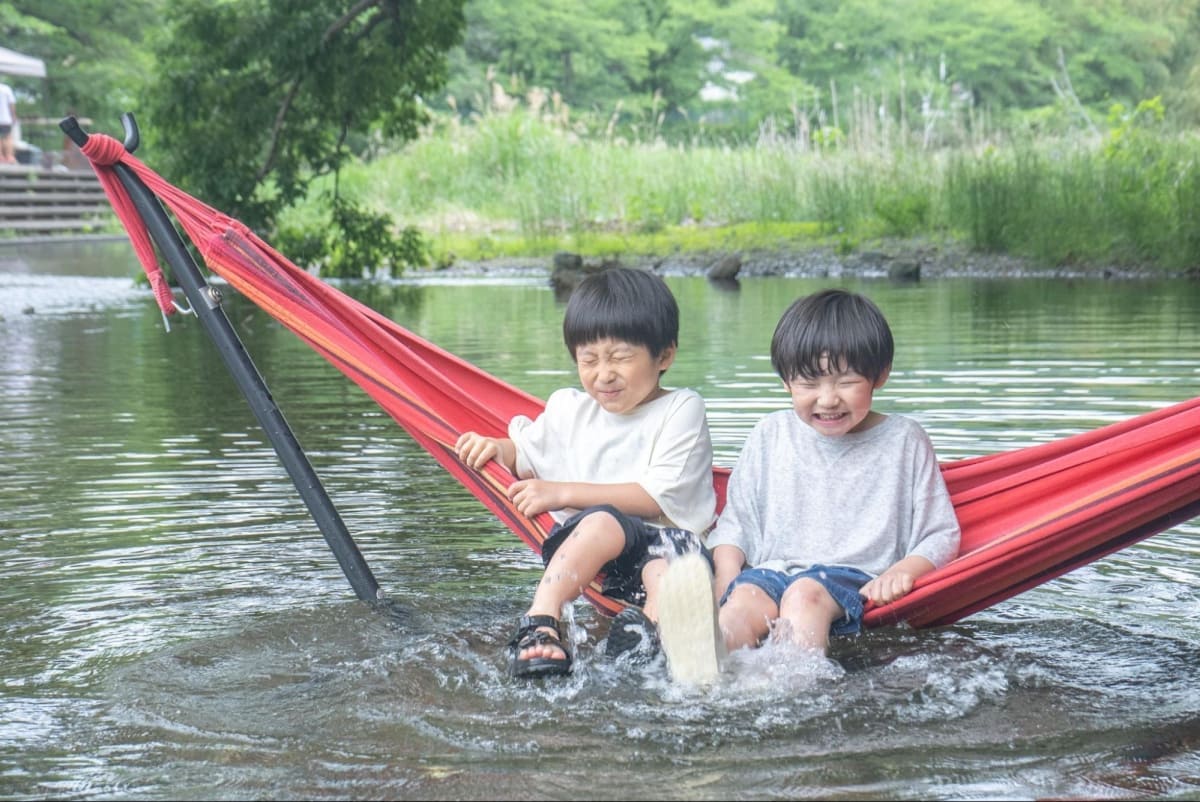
pixel 103 150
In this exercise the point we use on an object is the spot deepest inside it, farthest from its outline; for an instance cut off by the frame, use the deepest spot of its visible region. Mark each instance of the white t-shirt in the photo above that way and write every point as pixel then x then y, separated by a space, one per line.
pixel 864 500
pixel 663 445
pixel 7 102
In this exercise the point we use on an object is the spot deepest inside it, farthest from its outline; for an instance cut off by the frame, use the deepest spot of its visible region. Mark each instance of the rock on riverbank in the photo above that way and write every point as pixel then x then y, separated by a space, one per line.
pixel 900 260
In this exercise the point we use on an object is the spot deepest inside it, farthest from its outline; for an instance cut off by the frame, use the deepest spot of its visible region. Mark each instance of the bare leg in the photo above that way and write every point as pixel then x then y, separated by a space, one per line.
pixel 652 574
pixel 809 611
pixel 597 539
pixel 746 617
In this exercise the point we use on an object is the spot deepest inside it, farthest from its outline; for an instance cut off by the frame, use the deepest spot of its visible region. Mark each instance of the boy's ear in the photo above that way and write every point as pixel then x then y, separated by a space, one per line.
pixel 667 358
pixel 883 377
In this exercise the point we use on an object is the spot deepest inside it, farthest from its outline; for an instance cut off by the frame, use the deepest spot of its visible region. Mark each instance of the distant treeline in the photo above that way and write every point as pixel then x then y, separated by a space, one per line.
pixel 705 67
pixel 727 68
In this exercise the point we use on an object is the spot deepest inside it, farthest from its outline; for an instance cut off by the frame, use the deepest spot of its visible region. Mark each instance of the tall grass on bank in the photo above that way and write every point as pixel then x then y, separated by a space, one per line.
pixel 521 181
pixel 1071 205
pixel 1131 199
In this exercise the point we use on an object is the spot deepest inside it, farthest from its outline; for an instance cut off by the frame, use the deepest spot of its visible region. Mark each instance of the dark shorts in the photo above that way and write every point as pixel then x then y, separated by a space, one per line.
pixel 643 543
pixel 5 130
pixel 840 582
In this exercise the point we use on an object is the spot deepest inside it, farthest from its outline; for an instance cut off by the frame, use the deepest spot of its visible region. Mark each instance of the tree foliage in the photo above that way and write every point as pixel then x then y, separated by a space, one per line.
pixel 95 53
pixel 644 60
pixel 252 98
pixel 685 63
pixel 739 62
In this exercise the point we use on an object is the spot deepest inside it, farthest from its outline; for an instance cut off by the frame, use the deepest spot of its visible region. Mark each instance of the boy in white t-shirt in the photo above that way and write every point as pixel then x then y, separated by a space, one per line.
pixel 623 466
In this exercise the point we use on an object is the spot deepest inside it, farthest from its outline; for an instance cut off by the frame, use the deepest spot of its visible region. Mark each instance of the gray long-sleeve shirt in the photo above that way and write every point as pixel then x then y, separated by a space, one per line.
pixel 865 500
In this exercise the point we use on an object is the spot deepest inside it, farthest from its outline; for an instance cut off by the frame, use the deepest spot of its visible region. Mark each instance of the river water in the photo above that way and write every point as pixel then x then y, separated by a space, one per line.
pixel 173 626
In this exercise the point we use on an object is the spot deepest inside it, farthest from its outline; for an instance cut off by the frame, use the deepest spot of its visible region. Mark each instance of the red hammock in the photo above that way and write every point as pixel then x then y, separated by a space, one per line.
pixel 1027 515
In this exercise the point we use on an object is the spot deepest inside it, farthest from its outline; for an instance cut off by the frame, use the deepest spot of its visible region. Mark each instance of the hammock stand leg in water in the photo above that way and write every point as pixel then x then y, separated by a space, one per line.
pixel 205 300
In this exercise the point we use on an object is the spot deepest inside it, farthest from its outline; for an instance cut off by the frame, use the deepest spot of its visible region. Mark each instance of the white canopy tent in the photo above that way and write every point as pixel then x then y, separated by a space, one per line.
pixel 18 64
pixel 14 63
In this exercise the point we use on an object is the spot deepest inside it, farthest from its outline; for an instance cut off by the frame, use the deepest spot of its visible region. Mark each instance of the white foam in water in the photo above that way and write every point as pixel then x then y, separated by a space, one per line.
pixel 940 689
pixel 778 669
pixel 26 295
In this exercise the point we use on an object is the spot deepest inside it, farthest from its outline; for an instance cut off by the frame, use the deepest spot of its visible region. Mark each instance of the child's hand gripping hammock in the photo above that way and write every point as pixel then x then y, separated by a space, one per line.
pixel 1027 515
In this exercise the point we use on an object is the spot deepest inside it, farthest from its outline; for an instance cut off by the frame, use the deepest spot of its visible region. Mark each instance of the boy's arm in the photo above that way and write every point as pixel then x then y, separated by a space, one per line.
pixel 935 535
pixel 737 538
pixel 476 450
pixel 729 561
pixel 896 581
pixel 677 472
pixel 533 496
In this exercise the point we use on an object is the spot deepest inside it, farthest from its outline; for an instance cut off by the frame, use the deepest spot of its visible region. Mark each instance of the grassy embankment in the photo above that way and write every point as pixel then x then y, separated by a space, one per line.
pixel 519 184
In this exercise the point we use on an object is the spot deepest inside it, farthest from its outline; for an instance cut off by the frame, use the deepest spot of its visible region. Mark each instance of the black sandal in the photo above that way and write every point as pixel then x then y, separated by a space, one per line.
pixel 528 635
pixel 634 634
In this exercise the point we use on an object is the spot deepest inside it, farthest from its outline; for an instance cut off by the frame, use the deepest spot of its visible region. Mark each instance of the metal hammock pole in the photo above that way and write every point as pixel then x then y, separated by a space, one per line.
pixel 206 301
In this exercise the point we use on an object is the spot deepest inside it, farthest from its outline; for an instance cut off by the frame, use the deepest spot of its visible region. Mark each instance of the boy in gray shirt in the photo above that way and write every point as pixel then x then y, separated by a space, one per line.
pixel 830 503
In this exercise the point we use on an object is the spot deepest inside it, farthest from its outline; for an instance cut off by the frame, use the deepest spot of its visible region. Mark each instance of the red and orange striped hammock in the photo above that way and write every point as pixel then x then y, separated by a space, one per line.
pixel 1027 515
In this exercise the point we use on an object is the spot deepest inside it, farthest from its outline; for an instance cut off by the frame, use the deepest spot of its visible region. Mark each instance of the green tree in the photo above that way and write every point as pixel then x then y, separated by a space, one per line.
pixel 744 86
pixel 645 62
pixel 729 65
pixel 559 45
pixel 95 53
pixel 662 59
pixel 253 99
pixel 1182 96
pixel 1123 50
pixel 991 48
pixel 600 56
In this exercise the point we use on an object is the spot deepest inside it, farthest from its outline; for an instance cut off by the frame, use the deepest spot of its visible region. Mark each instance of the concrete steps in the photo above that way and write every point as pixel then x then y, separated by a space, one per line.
pixel 37 202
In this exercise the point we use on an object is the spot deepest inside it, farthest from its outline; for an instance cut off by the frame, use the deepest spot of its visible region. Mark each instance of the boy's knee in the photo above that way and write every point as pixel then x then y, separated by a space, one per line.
pixel 806 594
pixel 748 601
pixel 599 533
pixel 745 619
pixel 600 522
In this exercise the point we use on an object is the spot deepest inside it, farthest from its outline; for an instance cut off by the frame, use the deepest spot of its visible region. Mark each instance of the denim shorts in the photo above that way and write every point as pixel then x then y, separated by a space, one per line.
pixel 840 582
pixel 643 543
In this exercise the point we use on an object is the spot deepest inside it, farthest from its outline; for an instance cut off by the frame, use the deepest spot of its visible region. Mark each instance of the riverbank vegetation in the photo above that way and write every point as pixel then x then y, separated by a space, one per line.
pixel 524 181
pixel 378 135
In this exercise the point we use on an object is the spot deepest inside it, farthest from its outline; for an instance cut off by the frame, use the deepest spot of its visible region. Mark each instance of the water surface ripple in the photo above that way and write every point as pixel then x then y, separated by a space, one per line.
pixel 173 626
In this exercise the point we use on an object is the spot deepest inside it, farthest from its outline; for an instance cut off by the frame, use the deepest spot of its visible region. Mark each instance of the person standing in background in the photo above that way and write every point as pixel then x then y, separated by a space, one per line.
pixel 8 120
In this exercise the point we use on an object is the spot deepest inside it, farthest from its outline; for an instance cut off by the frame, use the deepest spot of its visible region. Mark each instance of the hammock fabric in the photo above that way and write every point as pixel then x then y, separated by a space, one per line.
pixel 1027 515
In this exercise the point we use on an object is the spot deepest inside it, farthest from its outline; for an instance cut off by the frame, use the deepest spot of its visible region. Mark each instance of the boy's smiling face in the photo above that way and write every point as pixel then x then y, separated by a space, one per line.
pixel 837 402
pixel 619 375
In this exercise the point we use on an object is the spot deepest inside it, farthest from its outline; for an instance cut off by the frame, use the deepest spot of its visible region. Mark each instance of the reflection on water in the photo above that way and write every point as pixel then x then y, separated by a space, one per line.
pixel 175 627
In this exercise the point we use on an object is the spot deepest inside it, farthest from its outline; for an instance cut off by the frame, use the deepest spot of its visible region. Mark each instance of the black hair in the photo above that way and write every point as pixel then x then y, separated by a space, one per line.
pixel 625 304
pixel 843 326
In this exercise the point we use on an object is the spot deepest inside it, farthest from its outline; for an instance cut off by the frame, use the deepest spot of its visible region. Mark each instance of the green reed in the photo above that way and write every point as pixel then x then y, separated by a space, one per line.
pixel 524 182
pixel 1072 203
